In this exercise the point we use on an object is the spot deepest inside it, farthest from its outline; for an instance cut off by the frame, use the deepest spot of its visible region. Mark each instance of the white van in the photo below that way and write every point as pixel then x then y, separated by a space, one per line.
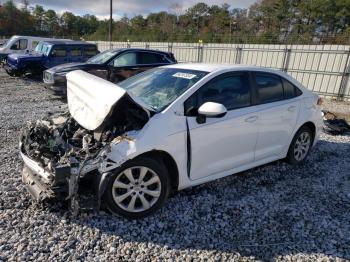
pixel 20 44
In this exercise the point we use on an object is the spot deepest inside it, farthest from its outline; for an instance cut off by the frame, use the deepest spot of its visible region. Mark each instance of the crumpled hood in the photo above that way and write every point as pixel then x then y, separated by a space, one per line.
pixel 91 99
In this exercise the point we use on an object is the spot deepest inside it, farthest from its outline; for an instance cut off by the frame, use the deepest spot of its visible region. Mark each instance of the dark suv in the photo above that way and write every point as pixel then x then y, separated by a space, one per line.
pixel 113 65
pixel 48 54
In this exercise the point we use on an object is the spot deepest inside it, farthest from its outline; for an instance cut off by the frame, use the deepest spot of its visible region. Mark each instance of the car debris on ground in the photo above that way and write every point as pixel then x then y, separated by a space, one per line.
pixel 333 124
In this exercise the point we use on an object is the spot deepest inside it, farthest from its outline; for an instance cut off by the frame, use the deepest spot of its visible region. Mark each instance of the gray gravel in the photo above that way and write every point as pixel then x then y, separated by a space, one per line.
pixel 274 212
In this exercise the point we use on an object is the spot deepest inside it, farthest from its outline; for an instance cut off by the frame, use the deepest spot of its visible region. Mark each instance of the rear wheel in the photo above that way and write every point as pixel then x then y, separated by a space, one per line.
pixel 138 189
pixel 300 146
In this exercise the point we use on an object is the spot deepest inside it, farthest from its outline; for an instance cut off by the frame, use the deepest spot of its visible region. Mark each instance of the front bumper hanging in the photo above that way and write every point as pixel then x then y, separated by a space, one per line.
pixel 63 185
pixel 41 184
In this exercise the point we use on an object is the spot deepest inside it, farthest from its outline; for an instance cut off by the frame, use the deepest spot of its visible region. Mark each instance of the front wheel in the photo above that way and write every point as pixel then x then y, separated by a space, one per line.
pixel 300 146
pixel 10 73
pixel 138 189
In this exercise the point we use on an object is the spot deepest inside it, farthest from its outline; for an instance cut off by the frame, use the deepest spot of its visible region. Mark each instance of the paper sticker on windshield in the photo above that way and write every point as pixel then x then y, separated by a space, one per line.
pixel 184 75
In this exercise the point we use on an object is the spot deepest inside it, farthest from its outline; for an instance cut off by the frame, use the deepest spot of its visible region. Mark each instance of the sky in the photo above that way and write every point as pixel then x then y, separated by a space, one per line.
pixel 100 8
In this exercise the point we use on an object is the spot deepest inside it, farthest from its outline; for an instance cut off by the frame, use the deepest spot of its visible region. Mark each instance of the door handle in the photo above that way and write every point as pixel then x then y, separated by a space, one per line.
pixel 251 119
pixel 292 108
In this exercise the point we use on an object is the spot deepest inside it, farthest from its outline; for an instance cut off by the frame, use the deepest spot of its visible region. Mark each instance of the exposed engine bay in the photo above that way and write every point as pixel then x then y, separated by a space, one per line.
pixel 66 151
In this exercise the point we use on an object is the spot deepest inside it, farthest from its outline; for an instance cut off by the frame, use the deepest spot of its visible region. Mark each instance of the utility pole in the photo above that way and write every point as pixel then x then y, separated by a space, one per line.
pixel 110 22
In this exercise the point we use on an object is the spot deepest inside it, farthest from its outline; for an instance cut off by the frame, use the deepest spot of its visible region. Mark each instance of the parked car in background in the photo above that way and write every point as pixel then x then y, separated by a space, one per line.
pixel 167 129
pixel 20 45
pixel 48 54
pixel 112 65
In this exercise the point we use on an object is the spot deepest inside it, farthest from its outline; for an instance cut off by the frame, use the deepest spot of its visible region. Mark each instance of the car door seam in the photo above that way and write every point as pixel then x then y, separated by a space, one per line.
pixel 189 149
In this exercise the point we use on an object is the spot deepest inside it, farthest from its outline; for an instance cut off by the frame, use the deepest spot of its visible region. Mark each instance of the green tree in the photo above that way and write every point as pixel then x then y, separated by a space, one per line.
pixel 68 23
pixel 38 14
pixel 51 22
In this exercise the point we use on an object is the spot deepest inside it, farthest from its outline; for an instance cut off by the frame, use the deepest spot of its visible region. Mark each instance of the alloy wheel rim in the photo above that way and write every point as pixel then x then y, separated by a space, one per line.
pixel 136 189
pixel 302 145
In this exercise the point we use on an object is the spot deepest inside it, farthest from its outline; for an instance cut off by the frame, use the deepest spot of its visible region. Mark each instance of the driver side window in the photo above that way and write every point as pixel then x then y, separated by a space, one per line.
pixel 128 59
pixel 233 91
pixel 20 45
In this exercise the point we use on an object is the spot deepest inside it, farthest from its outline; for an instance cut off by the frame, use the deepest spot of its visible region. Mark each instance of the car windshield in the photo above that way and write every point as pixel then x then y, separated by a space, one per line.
pixel 43 48
pixel 102 58
pixel 159 87
pixel 9 42
pixel 3 42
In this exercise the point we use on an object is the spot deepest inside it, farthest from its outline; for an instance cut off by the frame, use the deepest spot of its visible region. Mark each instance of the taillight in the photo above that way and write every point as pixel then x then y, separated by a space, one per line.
pixel 319 101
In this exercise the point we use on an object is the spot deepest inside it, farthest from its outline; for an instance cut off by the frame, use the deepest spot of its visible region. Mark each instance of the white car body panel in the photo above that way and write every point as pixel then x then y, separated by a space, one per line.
pixel 91 99
pixel 276 123
pixel 242 139
pixel 222 143
pixel 6 49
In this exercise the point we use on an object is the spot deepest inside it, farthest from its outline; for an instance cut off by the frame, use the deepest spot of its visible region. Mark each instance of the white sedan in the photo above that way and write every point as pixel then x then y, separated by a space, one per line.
pixel 170 128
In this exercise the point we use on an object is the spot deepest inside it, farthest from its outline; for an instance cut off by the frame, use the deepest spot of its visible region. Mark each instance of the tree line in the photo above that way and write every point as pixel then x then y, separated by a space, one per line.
pixel 40 22
pixel 266 21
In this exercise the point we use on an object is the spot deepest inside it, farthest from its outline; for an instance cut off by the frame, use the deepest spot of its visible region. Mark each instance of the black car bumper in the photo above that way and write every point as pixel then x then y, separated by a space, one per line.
pixel 57 84
pixel 58 89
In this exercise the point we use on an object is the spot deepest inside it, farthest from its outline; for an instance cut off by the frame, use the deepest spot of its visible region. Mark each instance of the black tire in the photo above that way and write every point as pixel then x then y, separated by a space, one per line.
pixel 291 156
pixel 10 73
pixel 154 165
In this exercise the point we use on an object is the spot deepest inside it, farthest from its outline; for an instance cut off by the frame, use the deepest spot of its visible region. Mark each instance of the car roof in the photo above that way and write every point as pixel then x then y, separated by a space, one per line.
pixel 67 42
pixel 217 68
pixel 38 38
pixel 139 49
pixel 208 67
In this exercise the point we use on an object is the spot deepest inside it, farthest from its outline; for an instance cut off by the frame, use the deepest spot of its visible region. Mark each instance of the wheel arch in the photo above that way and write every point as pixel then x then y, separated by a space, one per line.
pixel 310 125
pixel 34 67
pixel 169 163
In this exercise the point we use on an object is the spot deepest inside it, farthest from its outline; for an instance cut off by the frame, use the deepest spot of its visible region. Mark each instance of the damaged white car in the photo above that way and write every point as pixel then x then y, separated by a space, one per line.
pixel 164 130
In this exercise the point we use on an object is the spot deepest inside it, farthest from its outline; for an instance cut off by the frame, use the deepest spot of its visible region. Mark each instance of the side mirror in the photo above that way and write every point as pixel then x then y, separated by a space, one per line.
pixel 210 109
pixel 14 47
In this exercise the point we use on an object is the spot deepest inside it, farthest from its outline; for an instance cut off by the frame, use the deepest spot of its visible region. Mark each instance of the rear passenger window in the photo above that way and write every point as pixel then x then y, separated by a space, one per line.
pixel 270 88
pixel 290 90
pixel 59 52
pixel 233 91
pixel 75 51
pixel 151 58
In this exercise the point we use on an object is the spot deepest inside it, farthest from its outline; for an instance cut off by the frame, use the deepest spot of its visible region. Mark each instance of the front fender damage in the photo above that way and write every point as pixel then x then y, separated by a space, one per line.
pixel 111 157
pixel 120 150
pixel 59 155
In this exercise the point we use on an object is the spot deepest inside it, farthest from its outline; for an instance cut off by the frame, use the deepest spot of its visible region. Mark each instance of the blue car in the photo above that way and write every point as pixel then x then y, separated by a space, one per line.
pixel 48 54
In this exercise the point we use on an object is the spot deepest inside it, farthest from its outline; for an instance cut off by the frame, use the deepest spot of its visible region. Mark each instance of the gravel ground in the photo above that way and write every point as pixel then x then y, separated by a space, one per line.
pixel 274 212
